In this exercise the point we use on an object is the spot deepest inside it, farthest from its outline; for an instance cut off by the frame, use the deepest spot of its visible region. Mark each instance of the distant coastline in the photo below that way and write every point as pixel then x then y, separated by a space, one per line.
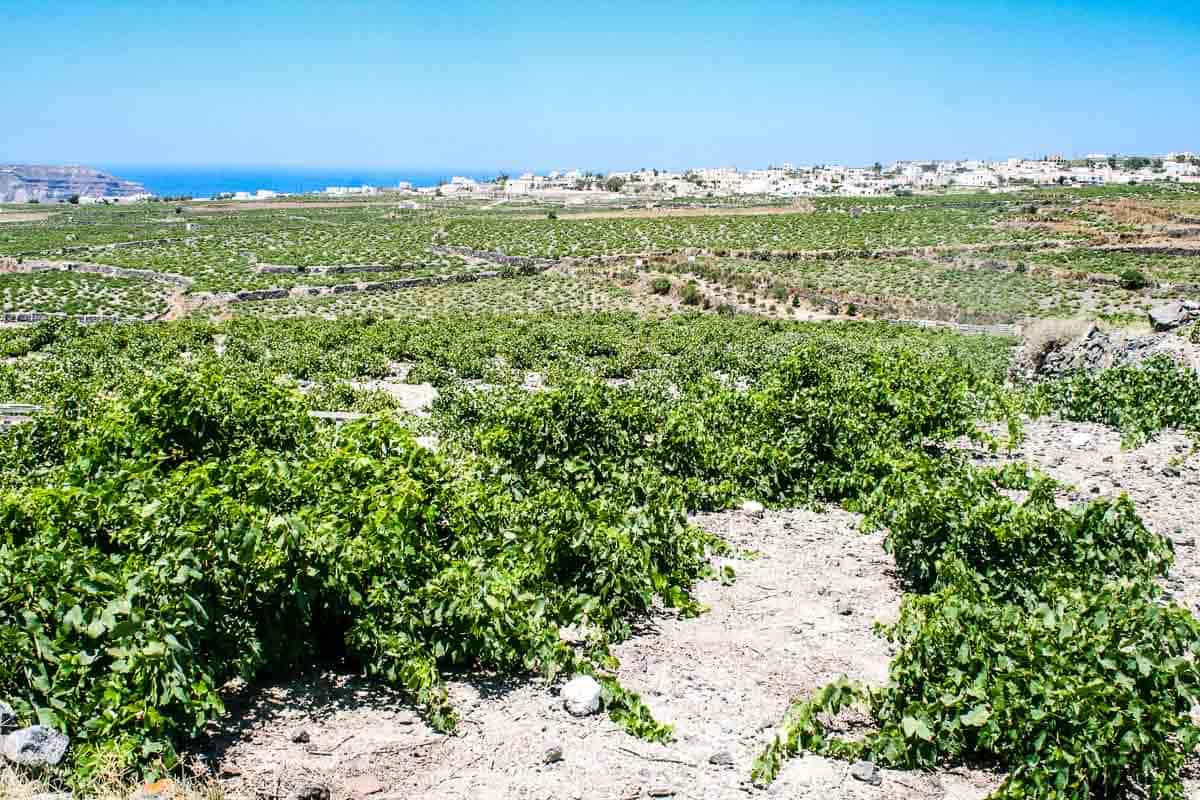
pixel 207 181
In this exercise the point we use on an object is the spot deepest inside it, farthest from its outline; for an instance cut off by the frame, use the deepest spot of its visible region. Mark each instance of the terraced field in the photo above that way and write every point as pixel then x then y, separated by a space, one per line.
pixel 964 258
pixel 877 227
pixel 528 294
pixel 81 294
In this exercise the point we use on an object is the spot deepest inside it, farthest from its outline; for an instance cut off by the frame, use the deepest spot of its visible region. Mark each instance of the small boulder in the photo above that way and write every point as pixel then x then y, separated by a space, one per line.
pixel 553 754
pixel 721 758
pixel 36 745
pixel 753 508
pixel 311 793
pixel 866 772
pixel 1168 316
pixel 300 736
pixel 581 696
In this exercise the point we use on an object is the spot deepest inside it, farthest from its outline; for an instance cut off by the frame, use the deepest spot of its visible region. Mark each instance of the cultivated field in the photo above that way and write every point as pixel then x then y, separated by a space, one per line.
pixel 616 507
pixel 975 259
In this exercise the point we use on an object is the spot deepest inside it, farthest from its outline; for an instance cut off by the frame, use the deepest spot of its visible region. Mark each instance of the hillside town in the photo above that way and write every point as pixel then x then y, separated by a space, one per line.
pixel 790 180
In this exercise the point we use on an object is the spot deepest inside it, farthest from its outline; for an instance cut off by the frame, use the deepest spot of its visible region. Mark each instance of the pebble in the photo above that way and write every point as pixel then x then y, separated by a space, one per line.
pixel 660 791
pixel 311 793
pixel 721 758
pixel 553 754
pixel 753 508
pixel 300 736
pixel 866 772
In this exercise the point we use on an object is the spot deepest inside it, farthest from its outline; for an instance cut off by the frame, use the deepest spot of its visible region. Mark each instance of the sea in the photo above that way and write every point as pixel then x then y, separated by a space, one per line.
pixel 208 181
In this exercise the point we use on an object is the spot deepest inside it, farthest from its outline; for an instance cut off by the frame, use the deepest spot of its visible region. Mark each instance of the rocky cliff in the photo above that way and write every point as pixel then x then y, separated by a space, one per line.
pixel 20 183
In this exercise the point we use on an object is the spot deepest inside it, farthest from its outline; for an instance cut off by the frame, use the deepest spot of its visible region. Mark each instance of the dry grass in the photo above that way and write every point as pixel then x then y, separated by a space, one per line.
pixel 23 216
pixel 112 784
pixel 1043 337
pixel 1137 212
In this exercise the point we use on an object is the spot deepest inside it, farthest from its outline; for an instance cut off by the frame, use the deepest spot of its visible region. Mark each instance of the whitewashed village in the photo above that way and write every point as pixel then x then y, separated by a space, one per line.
pixel 793 181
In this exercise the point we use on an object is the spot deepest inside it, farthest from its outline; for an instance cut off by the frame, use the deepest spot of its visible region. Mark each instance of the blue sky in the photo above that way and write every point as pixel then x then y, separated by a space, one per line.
pixel 606 86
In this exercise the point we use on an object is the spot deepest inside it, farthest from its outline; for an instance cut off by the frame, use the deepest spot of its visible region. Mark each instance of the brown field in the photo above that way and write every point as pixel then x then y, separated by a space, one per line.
pixel 23 216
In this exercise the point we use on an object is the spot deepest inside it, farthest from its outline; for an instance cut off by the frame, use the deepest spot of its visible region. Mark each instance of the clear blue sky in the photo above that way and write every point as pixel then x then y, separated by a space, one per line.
pixel 615 85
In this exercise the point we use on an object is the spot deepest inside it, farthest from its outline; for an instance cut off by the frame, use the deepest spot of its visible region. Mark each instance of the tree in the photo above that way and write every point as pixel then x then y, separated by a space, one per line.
pixel 614 183
pixel 878 168
pixel 73 199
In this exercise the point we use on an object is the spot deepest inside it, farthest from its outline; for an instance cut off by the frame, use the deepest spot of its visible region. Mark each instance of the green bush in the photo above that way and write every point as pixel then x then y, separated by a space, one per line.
pixel 1133 280
pixel 1031 626
pixel 661 286
pixel 1138 400
pixel 690 294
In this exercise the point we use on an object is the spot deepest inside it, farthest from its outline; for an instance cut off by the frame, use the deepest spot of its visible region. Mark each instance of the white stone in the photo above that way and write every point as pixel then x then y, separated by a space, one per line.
pixel 1081 440
pixel 581 696
pixel 753 508
pixel 35 745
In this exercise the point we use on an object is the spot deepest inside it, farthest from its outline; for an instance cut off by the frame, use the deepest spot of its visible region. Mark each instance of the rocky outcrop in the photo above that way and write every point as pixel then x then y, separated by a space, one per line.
pixel 20 183
pixel 1172 315
pixel 1097 349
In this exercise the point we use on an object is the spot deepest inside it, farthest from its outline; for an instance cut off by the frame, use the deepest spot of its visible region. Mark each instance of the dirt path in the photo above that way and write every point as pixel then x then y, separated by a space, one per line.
pixel 798 616
pixel 24 216
pixel 657 213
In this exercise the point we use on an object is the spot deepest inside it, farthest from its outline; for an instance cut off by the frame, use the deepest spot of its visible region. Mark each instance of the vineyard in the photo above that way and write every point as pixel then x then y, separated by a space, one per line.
pixel 1109 254
pixel 377 483
pixel 177 519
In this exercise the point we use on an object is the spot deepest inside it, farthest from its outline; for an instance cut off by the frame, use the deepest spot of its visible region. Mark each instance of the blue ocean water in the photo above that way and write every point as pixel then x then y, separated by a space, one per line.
pixel 206 181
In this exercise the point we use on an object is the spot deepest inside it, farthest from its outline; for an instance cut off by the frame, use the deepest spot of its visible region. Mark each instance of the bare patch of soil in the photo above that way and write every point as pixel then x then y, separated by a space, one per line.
pixel 23 216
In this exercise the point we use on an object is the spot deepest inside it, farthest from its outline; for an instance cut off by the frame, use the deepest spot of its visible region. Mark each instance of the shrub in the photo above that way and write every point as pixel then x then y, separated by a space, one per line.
pixel 1138 400
pixel 690 294
pixel 1133 280
pixel 661 286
